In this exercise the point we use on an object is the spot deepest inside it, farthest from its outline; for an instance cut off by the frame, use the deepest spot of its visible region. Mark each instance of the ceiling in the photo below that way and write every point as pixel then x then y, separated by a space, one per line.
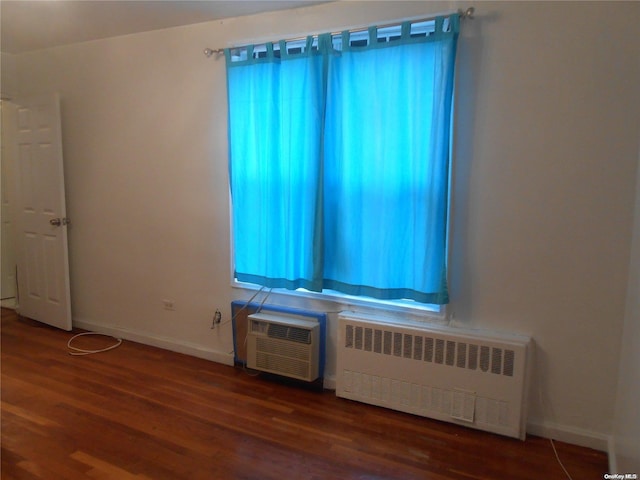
pixel 27 25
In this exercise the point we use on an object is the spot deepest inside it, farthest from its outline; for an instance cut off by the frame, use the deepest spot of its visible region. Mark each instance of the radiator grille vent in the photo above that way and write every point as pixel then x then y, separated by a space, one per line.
pixel 368 339
pixel 450 353
pixel 377 341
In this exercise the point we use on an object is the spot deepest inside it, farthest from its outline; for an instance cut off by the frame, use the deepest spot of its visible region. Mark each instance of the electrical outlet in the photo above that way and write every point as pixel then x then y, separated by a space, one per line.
pixel 168 304
pixel 217 318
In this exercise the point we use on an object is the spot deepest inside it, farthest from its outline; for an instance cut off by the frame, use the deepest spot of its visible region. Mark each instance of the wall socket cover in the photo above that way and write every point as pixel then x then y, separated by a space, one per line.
pixel 168 304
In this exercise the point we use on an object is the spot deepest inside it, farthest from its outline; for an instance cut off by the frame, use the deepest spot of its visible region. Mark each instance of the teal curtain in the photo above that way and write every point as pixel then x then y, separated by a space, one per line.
pixel 276 112
pixel 339 162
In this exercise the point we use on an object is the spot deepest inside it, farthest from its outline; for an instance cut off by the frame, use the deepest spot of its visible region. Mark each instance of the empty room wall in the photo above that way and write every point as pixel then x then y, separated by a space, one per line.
pixel 543 185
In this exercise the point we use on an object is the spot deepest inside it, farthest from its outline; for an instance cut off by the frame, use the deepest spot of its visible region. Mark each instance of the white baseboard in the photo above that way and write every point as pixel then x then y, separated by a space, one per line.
pixel 9 303
pixel 575 436
pixel 329 382
pixel 156 341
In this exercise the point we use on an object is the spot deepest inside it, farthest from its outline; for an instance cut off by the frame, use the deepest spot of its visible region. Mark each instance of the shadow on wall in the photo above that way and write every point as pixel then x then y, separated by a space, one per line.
pixel 468 72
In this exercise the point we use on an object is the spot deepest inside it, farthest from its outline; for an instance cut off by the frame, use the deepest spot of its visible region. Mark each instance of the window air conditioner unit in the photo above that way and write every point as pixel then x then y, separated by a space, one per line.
pixel 283 345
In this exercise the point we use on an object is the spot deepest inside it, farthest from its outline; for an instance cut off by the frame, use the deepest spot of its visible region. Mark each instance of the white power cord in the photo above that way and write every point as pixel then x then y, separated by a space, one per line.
pixel 558 458
pixel 246 305
pixel 553 445
pixel 80 351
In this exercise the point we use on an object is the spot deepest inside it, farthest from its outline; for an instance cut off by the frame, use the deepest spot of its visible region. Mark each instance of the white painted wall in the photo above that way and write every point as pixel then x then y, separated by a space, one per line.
pixel 547 146
pixel 626 430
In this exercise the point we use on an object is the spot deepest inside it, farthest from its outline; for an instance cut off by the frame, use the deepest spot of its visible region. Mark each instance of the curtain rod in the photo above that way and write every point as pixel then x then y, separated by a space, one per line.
pixel 463 14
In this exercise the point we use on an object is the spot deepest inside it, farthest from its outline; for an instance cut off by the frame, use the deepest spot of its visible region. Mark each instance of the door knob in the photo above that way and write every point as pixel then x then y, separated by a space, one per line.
pixel 56 222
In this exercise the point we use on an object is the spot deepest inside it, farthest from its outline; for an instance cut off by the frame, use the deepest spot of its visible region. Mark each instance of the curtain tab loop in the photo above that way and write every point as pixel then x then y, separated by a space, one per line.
pixel 325 42
pixel 346 40
pixel 439 26
pixel 454 23
pixel 406 30
pixel 373 35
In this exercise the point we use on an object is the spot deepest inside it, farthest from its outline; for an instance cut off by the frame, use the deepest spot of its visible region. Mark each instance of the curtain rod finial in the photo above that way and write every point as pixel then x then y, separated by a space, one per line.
pixel 468 13
pixel 209 52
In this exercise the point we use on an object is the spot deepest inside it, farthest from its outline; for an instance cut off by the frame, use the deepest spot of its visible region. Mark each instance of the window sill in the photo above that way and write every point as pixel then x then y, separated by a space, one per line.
pixel 396 311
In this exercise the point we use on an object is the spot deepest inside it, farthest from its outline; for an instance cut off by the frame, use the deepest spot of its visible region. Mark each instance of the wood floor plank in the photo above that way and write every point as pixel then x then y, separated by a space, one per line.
pixel 139 413
pixel 104 470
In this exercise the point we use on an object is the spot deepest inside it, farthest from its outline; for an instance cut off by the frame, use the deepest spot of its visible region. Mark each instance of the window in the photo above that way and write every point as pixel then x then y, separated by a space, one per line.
pixel 339 161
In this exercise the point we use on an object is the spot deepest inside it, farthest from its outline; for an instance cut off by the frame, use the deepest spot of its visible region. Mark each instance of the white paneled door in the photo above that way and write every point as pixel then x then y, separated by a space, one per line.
pixel 40 213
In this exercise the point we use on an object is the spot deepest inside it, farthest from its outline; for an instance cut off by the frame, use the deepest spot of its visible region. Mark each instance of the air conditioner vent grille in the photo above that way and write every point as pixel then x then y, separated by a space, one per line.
pixel 286 349
pixel 282 365
pixel 284 332
pixel 450 353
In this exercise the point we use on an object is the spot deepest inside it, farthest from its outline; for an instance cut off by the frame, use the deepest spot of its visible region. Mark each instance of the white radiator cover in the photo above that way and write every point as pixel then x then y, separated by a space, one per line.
pixel 463 376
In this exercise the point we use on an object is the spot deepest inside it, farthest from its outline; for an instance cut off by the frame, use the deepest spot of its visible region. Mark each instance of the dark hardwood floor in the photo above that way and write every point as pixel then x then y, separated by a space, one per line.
pixel 139 412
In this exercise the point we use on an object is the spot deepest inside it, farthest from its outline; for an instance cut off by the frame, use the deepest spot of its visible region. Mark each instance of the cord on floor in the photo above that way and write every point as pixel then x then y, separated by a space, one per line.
pixel 80 351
